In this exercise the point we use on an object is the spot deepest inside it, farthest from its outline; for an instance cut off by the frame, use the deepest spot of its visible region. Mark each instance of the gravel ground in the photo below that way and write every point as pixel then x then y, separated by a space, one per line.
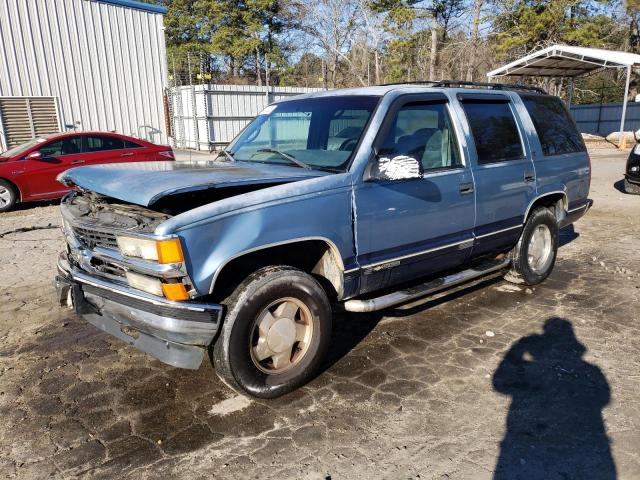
pixel 495 381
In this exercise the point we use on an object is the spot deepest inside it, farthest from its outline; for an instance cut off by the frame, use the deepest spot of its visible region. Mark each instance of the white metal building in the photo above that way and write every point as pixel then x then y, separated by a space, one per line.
pixel 84 65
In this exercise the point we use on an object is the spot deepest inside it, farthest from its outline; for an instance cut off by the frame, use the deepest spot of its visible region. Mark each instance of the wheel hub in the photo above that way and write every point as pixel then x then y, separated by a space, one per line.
pixel 540 250
pixel 5 196
pixel 281 335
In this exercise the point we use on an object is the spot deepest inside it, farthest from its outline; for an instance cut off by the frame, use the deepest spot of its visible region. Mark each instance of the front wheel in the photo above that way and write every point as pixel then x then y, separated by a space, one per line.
pixel 534 256
pixel 275 332
pixel 8 196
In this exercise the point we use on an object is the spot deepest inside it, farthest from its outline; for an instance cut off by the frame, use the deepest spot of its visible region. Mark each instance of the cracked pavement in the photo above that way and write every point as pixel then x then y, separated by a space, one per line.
pixel 491 381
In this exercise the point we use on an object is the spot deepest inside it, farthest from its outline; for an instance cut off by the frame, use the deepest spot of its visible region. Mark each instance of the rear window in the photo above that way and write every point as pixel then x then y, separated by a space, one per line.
pixel 555 127
pixel 494 131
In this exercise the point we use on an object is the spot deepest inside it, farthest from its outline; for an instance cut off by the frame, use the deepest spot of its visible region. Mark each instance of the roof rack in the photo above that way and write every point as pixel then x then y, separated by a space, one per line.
pixel 464 84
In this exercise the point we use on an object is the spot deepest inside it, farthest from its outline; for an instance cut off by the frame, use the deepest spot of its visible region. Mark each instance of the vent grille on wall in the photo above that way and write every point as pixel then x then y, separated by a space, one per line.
pixel 23 118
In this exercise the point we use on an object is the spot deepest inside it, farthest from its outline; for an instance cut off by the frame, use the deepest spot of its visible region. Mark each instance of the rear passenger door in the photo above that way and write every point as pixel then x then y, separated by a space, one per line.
pixel 503 171
pixel 106 149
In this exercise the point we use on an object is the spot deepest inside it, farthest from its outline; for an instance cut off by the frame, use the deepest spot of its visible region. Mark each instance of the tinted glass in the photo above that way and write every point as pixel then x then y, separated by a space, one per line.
pixel 65 146
pixel 321 132
pixel 555 127
pixel 423 131
pixel 101 143
pixel 494 131
pixel 128 144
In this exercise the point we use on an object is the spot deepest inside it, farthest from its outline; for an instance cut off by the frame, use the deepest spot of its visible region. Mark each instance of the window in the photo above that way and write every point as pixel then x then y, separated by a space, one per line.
pixel 129 144
pixel 494 131
pixel 555 127
pixel 64 146
pixel 101 143
pixel 423 131
pixel 320 132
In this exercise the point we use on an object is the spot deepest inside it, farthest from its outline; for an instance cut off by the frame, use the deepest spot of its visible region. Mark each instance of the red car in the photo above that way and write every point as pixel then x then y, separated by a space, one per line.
pixel 28 172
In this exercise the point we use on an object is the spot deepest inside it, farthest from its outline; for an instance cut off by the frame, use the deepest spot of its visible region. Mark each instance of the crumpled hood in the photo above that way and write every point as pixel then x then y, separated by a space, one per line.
pixel 144 183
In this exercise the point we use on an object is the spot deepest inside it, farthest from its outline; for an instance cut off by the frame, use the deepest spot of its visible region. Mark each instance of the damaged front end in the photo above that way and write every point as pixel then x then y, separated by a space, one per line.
pixel 131 283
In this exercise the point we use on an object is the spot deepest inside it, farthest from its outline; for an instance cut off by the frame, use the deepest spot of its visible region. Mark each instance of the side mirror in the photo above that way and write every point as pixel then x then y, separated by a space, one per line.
pixel 37 155
pixel 400 167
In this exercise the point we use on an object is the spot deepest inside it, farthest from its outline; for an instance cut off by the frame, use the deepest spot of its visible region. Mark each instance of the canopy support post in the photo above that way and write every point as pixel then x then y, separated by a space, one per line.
pixel 570 95
pixel 623 140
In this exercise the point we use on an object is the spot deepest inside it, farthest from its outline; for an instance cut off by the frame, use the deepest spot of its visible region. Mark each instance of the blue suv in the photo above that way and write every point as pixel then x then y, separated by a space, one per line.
pixel 360 199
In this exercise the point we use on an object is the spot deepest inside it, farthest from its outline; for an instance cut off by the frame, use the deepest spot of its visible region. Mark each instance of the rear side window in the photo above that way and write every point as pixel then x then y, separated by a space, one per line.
pixel 129 144
pixel 101 143
pixel 555 127
pixel 494 131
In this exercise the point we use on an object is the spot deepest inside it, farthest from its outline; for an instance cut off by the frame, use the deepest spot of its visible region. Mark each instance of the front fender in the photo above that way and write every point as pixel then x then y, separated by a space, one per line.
pixel 210 244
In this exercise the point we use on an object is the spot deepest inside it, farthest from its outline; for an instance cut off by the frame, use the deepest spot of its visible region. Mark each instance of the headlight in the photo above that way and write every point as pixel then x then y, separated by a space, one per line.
pixel 144 283
pixel 636 149
pixel 161 251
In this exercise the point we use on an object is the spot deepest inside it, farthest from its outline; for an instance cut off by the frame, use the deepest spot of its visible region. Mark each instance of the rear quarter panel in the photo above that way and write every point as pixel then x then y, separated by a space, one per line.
pixel 568 173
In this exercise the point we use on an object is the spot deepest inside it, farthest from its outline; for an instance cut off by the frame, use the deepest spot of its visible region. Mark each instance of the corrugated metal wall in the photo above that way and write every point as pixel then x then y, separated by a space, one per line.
pixel 210 116
pixel 105 63
pixel 603 119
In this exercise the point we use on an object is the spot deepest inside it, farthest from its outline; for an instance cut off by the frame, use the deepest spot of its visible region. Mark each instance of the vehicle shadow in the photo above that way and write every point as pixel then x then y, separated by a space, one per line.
pixel 350 329
pixel 554 426
pixel 30 205
pixel 619 186
pixel 567 235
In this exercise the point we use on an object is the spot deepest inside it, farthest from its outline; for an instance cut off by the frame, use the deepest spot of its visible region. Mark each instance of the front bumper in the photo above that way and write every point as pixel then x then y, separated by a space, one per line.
pixel 176 333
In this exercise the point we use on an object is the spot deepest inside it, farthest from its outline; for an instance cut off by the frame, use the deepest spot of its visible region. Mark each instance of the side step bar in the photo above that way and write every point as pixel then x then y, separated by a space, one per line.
pixel 424 289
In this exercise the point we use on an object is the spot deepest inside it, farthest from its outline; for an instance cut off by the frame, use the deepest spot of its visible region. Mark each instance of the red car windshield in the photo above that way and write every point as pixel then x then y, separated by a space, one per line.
pixel 17 150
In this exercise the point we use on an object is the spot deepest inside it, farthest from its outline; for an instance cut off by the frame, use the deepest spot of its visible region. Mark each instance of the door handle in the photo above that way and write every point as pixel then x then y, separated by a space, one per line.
pixel 77 162
pixel 529 177
pixel 127 154
pixel 466 188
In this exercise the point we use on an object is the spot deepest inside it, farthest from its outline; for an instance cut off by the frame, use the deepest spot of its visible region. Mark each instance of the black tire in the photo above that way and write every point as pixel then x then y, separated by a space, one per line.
pixel 631 187
pixel 522 272
pixel 9 196
pixel 232 352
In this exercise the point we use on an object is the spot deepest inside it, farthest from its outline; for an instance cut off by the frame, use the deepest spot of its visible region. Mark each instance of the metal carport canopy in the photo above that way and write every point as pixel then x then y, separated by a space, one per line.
pixel 571 62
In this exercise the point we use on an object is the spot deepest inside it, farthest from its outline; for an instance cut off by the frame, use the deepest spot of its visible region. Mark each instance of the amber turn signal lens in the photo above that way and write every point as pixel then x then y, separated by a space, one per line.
pixel 169 251
pixel 175 291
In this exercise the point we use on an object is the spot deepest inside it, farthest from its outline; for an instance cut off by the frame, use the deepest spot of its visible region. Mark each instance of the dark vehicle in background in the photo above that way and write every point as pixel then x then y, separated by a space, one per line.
pixel 632 172
pixel 28 172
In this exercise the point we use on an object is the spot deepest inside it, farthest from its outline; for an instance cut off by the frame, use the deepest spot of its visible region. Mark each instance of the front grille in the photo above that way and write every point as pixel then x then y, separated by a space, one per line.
pixel 90 238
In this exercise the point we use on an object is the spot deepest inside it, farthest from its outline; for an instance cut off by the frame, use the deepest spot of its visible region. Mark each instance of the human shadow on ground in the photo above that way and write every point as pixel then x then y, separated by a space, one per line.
pixel 555 428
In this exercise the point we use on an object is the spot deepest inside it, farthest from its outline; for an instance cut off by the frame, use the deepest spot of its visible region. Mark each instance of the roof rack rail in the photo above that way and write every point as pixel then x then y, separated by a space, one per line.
pixel 465 84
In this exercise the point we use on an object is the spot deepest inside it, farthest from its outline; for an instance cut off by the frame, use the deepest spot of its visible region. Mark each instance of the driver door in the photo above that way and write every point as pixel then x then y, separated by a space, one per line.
pixel 57 156
pixel 407 229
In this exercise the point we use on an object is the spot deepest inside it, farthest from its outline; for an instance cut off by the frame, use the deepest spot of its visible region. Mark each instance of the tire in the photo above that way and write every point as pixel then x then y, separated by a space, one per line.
pixel 631 187
pixel 8 196
pixel 250 354
pixel 533 258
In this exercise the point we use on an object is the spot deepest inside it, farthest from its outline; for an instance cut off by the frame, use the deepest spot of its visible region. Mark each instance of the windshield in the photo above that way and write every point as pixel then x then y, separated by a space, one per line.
pixel 320 133
pixel 22 148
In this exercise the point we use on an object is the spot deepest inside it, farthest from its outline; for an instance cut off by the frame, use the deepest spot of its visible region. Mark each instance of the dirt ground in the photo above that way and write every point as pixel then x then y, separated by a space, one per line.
pixel 495 381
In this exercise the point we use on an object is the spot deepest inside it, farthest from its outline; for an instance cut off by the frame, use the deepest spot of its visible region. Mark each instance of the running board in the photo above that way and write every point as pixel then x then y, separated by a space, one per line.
pixel 424 289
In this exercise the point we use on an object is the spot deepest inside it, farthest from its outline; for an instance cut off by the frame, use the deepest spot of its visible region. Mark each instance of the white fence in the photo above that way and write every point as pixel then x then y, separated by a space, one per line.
pixel 208 117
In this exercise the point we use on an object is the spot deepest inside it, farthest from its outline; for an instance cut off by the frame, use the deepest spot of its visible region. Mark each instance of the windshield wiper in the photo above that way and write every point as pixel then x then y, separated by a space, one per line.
pixel 291 158
pixel 228 155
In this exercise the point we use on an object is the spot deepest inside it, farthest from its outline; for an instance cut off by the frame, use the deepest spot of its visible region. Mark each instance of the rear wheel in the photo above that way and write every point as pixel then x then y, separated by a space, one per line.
pixel 534 256
pixel 8 196
pixel 275 332
pixel 631 187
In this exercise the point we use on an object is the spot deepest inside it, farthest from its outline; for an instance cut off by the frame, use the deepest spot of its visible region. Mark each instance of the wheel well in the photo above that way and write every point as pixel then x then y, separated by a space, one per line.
pixel 14 186
pixel 556 201
pixel 315 257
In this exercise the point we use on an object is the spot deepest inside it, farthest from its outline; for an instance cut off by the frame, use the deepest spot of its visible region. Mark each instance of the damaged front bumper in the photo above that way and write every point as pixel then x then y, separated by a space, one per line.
pixel 176 333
